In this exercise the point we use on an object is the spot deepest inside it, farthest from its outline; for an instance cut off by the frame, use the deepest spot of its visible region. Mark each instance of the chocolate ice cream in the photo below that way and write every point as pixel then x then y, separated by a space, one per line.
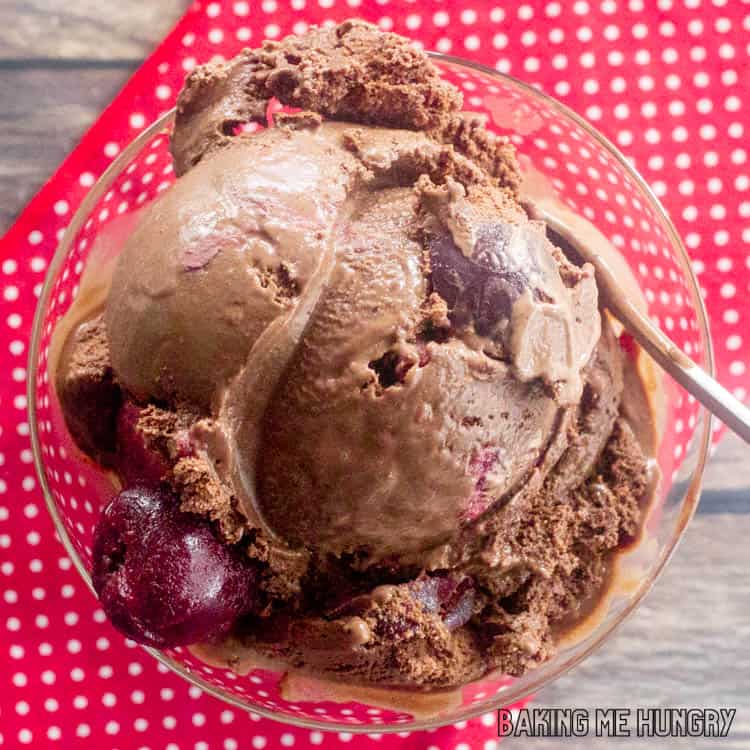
pixel 340 348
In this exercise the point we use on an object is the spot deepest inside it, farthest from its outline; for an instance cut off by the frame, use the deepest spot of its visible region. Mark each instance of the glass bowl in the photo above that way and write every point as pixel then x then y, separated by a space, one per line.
pixel 583 174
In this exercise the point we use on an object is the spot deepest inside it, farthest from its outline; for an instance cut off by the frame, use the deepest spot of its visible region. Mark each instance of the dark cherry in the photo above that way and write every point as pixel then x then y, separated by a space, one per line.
pixel 162 576
pixel 481 288
pixel 451 597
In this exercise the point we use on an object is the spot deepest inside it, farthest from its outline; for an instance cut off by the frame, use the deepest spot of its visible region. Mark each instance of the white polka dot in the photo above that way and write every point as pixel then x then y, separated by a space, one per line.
pixel 109 699
pixel 137 120
pixel 86 179
pixel 587 59
pixel 20 680
pixel 441 18
pixel 729 77
pixel 724 264
pixel 48 677
pixel 625 138
pixel 732 103
pixel 472 42
pixel 525 12
pixel 686 187
pixel 503 65
pixel 499 41
pixel 83 730
pixel 680 134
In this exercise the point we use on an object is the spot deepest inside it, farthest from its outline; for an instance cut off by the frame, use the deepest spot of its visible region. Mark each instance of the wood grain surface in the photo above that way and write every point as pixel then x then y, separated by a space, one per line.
pixel 689 642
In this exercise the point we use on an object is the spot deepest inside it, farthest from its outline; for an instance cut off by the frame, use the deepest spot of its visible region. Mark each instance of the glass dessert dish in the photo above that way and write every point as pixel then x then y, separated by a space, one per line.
pixel 577 176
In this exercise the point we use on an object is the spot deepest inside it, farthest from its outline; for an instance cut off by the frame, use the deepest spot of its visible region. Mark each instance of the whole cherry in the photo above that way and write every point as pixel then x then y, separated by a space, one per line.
pixel 162 576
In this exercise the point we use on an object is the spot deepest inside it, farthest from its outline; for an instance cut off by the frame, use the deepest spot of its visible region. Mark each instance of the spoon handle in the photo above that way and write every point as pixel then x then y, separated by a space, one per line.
pixel 717 399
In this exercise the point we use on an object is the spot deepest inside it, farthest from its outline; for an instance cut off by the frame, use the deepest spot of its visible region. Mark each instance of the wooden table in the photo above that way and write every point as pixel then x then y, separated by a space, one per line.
pixel 687 645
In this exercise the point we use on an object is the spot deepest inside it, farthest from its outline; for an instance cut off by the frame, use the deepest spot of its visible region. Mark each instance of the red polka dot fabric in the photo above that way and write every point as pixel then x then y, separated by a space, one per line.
pixel 661 79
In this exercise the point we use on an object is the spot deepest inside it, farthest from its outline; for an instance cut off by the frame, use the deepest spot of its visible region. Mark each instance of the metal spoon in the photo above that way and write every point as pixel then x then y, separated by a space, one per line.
pixel 717 399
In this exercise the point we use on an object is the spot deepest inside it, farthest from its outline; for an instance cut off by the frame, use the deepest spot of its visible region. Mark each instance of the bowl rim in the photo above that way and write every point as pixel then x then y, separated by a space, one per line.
pixel 497 701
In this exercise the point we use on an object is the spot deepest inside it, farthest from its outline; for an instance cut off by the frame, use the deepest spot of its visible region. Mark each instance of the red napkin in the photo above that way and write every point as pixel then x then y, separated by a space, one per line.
pixel 661 79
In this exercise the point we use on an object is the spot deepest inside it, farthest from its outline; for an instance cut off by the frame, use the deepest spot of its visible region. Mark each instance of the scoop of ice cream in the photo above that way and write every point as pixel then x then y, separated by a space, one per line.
pixel 223 253
pixel 385 419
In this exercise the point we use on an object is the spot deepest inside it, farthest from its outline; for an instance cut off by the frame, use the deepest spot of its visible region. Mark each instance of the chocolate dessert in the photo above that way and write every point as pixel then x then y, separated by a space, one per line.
pixel 364 412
